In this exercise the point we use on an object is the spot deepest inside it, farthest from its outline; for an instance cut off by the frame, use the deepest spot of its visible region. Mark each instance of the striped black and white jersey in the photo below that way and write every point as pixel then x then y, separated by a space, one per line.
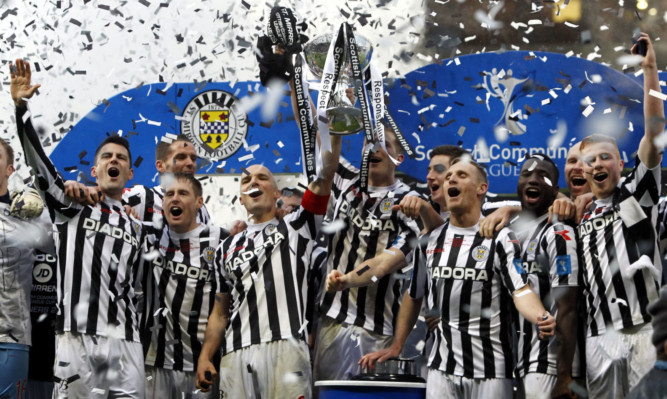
pixel 180 290
pixel 371 227
pixel 549 260
pixel 265 270
pixel 98 248
pixel 620 260
pixel 472 280
pixel 147 202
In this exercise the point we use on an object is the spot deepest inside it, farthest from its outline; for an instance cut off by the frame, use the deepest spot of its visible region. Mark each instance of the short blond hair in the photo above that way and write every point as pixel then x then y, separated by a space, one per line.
pixel 480 169
pixel 599 138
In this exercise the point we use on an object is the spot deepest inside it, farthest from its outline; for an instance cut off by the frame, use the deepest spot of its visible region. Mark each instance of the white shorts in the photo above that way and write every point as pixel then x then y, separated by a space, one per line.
pixel 537 385
pixel 440 385
pixel 88 366
pixel 615 362
pixel 163 383
pixel 278 369
pixel 338 348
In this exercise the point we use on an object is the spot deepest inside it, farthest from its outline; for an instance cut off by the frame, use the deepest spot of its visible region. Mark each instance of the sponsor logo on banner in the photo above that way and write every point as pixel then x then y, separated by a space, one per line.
pixel 214 124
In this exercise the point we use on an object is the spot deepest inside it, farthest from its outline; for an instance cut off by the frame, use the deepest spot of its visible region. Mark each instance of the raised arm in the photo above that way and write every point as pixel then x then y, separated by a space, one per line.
pixel 654 113
pixel 48 179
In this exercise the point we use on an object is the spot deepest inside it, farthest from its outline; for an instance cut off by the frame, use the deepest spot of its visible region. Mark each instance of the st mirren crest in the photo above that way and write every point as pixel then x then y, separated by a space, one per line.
pixel 214 124
pixel 480 253
pixel 386 204
pixel 532 245
pixel 270 229
pixel 209 254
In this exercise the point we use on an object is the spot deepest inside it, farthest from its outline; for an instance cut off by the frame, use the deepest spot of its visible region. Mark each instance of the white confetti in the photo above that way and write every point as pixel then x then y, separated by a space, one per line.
pixel 334 226
pixel 588 111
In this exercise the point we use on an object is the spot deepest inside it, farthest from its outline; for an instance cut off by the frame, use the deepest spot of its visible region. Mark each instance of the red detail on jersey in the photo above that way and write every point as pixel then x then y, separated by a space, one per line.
pixel 457 242
pixel 514 242
pixel 563 233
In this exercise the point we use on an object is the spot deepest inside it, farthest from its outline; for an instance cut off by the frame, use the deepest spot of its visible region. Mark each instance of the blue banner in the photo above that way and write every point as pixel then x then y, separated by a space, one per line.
pixel 500 106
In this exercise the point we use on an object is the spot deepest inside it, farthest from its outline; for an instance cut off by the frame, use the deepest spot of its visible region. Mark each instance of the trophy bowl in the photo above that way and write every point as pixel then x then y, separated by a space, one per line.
pixel 344 117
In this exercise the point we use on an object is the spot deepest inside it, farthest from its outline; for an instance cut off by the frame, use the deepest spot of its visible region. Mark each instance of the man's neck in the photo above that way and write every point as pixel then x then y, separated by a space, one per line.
pixel 263 218
pixel 184 230
pixel 381 181
pixel 465 219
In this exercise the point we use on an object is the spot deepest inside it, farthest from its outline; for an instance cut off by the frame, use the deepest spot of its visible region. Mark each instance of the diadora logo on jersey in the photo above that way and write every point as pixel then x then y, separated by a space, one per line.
pixel 238 257
pixel 113 231
pixel 459 273
pixel 597 224
pixel 386 204
pixel 181 269
pixel 531 267
pixel 563 233
pixel 215 124
pixel 208 254
pixel 480 253
pixel 372 224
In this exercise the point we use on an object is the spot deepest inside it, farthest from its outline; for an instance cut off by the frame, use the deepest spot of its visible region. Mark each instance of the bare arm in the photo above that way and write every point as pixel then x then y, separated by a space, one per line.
pixel 413 207
pixel 654 113
pixel 215 331
pixel 407 317
pixel 386 263
pixel 566 334
pixel 530 307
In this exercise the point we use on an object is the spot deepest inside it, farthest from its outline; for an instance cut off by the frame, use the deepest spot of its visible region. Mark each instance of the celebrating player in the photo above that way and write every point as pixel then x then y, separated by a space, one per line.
pixel 470 277
pixel 621 261
pixel 180 290
pixel 549 261
pixel 263 274
pixel 98 351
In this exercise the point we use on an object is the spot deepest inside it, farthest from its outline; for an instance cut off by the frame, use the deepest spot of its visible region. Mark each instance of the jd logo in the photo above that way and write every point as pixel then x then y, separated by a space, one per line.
pixel 42 273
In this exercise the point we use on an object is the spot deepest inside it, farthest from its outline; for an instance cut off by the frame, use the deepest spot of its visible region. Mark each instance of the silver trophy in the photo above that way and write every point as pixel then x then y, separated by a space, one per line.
pixel 344 117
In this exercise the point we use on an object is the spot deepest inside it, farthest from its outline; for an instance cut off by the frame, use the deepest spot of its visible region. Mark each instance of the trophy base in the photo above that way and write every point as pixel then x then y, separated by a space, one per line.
pixel 345 121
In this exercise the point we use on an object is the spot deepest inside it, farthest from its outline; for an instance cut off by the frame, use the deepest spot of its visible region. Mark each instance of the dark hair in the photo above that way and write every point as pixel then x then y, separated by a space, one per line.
pixel 113 139
pixel 480 168
pixel 544 157
pixel 163 148
pixel 196 185
pixel 450 151
pixel 9 150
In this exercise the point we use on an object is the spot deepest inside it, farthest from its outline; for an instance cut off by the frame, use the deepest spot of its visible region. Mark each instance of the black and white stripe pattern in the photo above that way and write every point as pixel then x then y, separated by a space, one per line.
pixel 180 290
pixel 614 234
pixel 472 279
pixel 549 260
pixel 98 249
pixel 147 202
pixel 371 228
pixel 265 269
